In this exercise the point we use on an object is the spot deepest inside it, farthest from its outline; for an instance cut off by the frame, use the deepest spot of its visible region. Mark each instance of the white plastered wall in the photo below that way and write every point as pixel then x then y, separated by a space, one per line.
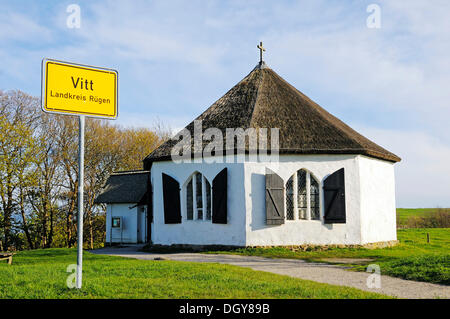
pixel 378 217
pixel 370 203
pixel 196 232
pixel 302 231
pixel 129 223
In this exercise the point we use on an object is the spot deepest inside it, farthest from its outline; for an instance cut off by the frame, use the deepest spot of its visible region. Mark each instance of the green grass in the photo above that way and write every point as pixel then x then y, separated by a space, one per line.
pixel 403 214
pixel 42 274
pixel 413 258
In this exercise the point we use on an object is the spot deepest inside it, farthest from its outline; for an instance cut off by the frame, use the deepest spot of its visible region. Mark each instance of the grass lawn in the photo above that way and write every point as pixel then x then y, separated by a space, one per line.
pixel 413 258
pixel 42 274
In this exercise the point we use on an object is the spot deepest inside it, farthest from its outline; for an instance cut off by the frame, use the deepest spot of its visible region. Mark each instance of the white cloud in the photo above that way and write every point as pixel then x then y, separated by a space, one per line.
pixel 20 27
pixel 138 32
pixel 423 175
pixel 401 68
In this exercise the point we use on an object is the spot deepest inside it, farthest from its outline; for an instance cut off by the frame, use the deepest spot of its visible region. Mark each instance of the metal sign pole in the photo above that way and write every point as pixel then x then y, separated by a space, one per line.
pixel 80 200
pixel 102 83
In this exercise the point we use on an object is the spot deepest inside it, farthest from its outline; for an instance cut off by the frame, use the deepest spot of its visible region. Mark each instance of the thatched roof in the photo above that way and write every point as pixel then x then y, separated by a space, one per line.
pixel 264 100
pixel 125 187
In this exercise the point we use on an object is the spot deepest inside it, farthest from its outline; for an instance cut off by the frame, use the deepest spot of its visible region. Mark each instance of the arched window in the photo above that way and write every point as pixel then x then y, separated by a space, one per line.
pixel 302 197
pixel 198 198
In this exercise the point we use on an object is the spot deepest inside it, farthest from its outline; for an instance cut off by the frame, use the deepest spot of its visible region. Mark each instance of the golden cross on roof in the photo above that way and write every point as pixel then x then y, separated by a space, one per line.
pixel 261 49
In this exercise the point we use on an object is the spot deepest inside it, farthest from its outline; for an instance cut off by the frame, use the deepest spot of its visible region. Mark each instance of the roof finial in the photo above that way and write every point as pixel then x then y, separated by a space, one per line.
pixel 261 49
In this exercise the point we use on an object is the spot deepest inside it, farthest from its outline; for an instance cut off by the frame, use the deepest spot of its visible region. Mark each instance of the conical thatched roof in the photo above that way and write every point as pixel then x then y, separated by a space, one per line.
pixel 264 100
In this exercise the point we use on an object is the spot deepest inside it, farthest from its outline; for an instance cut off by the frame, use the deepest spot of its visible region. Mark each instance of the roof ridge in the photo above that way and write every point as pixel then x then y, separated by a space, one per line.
pixel 260 67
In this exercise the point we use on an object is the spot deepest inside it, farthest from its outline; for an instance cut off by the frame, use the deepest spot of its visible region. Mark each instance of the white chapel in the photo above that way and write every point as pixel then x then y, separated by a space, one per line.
pixel 329 185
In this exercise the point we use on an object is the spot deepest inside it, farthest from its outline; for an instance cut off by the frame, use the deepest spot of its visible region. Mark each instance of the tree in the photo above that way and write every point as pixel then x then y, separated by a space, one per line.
pixel 17 147
pixel 43 197
pixel 137 143
pixel 39 171
pixel 103 152
pixel 68 147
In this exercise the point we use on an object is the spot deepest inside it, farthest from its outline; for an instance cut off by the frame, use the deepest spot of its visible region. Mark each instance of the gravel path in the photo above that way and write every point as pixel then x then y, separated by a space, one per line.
pixel 320 272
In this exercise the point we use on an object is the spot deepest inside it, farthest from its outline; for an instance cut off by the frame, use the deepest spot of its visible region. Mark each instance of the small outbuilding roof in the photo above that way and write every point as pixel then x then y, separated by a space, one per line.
pixel 125 187
pixel 265 100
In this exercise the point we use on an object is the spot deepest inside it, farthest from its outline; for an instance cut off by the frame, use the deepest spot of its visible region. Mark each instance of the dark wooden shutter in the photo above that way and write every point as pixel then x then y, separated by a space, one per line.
pixel 171 194
pixel 219 188
pixel 274 198
pixel 334 197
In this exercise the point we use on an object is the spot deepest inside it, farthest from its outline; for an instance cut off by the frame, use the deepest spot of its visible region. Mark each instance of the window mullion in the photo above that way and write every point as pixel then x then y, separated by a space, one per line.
pixel 308 196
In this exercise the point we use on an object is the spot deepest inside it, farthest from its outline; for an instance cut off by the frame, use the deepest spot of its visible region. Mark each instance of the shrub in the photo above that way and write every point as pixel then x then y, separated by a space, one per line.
pixel 437 219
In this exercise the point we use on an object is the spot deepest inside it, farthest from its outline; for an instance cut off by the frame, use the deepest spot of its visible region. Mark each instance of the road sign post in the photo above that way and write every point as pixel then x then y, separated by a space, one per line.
pixel 80 200
pixel 75 89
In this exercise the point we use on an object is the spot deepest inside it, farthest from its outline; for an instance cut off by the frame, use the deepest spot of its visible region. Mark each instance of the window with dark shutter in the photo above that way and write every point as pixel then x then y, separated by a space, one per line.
pixel 219 189
pixel 334 198
pixel 274 198
pixel 171 198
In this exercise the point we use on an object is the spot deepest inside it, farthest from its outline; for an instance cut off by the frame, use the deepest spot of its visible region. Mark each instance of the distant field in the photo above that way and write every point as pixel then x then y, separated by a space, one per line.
pixel 413 258
pixel 423 217
pixel 42 274
pixel 404 213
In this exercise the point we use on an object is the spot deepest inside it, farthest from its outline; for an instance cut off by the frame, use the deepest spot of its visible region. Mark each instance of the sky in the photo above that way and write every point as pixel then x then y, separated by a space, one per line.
pixel 175 58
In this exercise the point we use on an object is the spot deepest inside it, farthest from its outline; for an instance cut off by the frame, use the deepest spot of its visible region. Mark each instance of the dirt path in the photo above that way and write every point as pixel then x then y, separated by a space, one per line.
pixel 325 273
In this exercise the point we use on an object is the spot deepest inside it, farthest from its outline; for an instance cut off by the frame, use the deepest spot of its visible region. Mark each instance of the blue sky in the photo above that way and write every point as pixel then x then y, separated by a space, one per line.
pixel 175 58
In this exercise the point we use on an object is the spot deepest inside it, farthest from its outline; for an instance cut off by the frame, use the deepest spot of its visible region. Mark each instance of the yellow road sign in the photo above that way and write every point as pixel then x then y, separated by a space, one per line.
pixel 70 88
